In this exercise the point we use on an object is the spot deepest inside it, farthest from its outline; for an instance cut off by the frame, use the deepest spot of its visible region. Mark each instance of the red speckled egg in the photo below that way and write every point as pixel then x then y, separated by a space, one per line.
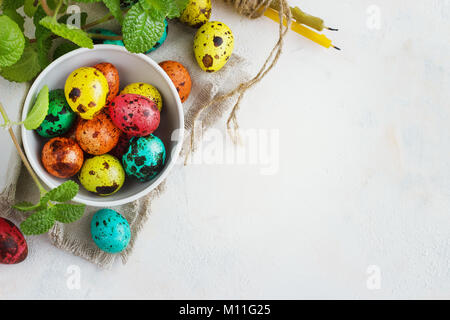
pixel 121 147
pixel 97 136
pixel 112 76
pixel 179 76
pixel 62 157
pixel 134 114
pixel 13 247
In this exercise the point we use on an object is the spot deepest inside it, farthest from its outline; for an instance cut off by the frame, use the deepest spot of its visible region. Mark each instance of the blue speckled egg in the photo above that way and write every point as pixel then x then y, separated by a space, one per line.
pixel 145 157
pixel 110 231
pixel 120 42
pixel 106 32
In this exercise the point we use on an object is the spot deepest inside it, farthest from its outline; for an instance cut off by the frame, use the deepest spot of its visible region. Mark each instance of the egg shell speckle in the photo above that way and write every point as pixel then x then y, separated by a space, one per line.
pixel 60 117
pixel 103 175
pixel 146 90
pixel 110 231
pixel 97 136
pixel 213 45
pixel 145 157
pixel 86 90
pixel 179 76
pixel 112 76
pixel 196 13
pixel 134 114
pixel 62 157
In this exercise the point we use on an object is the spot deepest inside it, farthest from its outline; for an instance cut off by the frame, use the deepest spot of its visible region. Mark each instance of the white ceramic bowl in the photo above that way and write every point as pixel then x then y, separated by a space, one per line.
pixel 132 68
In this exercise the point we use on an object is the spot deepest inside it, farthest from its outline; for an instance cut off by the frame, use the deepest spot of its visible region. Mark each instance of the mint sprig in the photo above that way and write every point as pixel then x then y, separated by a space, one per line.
pixel 38 111
pixel 12 42
pixel 46 212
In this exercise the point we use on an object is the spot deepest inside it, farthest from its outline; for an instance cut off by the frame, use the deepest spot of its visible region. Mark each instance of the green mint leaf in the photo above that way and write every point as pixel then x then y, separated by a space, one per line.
pixel 157 8
pixel 68 213
pixel 88 1
pixel 25 206
pixel 12 4
pixel 30 7
pixel 83 18
pixel 39 222
pixel 63 48
pixel 26 68
pixel 15 16
pixel 141 30
pixel 64 192
pixel 12 42
pixel 177 8
pixel 39 110
pixel 28 206
pixel 75 35
pixel 114 8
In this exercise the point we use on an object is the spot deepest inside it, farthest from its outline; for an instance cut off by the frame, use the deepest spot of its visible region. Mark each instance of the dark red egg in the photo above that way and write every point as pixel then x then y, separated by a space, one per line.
pixel 13 247
pixel 121 147
pixel 134 114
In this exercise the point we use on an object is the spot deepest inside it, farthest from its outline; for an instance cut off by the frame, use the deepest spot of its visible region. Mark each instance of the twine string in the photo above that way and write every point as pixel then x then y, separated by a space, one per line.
pixel 251 9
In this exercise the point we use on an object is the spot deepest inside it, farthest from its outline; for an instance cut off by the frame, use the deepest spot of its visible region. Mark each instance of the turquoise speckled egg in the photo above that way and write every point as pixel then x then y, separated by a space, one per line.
pixel 60 116
pixel 110 231
pixel 145 157
pixel 120 42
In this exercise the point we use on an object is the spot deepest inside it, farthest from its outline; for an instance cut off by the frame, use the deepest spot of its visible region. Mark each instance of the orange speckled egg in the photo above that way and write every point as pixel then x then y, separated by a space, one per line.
pixel 179 76
pixel 97 136
pixel 62 157
pixel 112 76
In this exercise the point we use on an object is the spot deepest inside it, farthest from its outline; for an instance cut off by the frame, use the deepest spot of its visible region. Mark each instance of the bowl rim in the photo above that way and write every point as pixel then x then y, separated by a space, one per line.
pixel 174 154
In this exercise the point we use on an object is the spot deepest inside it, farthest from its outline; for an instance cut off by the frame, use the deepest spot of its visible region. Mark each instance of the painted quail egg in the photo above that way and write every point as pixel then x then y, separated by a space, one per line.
pixel 60 117
pixel 179 76
pixel 97 136
pixel 103 175
pixel 134 114
pixel 196 13
pixel 145 157
pixel 213 45
pixel 62 157
pixel 110 231
pixel 86 90
pixel 146 90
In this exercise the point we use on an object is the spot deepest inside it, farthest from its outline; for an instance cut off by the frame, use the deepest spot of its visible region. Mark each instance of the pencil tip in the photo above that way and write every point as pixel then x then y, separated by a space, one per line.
pixel 332 29
pixel 337 48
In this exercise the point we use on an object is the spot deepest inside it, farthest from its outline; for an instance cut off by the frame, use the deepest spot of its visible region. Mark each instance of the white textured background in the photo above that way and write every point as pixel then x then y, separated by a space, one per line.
pixel 364 176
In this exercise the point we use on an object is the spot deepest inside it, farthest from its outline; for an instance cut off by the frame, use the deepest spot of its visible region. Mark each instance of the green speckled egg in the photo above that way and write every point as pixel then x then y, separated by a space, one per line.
pixel 145 157
pixel 213 45
pixel 60 117
pixel 110 231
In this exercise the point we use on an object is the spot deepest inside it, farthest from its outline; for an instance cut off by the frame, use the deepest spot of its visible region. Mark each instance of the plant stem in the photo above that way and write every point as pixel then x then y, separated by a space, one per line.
pixel 105 18
pixel 57 8
pixel 21 154
pixel 102 36
pixel 46 8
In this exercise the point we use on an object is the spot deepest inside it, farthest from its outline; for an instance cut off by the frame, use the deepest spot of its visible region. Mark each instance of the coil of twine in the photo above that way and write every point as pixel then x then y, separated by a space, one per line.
pixel 251 9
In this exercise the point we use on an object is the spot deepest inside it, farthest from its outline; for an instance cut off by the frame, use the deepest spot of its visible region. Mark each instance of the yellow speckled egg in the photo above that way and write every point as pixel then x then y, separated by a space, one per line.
pixel 86 90
pixel 103 175
pixel 146 90
pixel 197 13
pixel 213 45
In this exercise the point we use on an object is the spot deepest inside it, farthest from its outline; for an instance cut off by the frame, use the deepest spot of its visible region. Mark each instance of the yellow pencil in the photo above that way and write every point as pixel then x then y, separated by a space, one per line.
pixel 302 30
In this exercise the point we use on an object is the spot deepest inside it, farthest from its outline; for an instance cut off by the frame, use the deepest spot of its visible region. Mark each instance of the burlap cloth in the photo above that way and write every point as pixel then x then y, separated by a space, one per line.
pixel 75 237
